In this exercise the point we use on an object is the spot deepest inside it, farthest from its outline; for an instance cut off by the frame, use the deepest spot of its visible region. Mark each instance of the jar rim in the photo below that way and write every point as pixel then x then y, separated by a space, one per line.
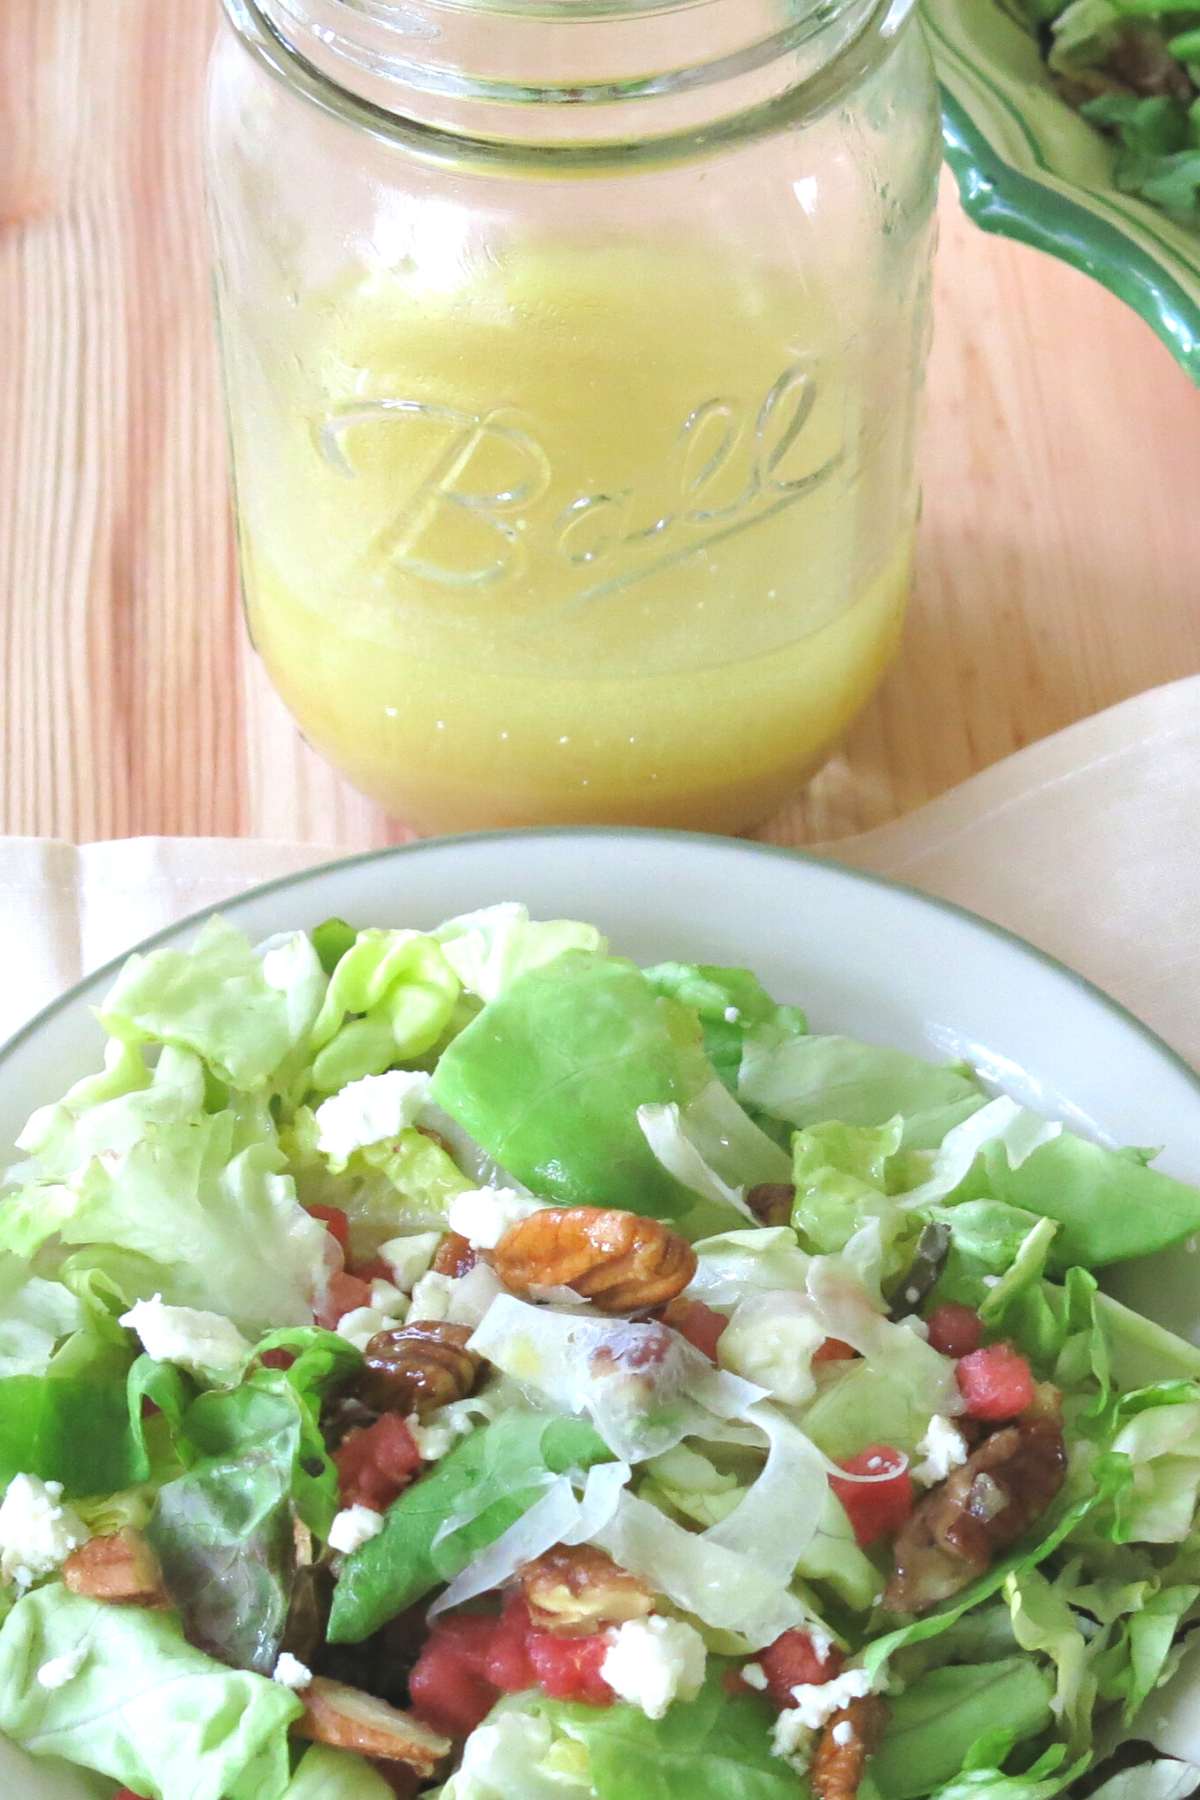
pixel 307 58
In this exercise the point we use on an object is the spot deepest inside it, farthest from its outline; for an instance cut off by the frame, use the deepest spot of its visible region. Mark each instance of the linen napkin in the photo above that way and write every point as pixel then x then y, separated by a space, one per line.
pixel 1087 844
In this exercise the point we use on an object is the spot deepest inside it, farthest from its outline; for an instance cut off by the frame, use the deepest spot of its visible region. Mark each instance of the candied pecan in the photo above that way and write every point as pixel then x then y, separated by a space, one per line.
pixel 772 1202
pixel 620 1261
pixel 983 1508
pixel 842 1755
pixel 121 1569
pixel 350 1720
pixel 572 1590
pixel 419 1367
pixel 454 1256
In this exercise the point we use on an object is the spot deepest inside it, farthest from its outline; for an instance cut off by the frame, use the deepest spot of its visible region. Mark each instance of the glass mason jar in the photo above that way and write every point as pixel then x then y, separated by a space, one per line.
pixel 573 352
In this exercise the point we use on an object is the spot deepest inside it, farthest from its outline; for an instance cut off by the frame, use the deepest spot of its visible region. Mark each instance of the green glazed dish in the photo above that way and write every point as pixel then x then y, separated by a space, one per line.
pixel 1030 168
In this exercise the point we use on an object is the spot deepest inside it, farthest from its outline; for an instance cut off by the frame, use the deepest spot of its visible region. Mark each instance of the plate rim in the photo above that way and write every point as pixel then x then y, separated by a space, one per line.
pixel 710 840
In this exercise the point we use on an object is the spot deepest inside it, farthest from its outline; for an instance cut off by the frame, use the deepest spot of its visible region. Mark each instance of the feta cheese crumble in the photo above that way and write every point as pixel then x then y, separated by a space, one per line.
pixel 732 1015
pixel 60 1669
pixel 651 1662
pixel 431 1297
pixel 755 1676
pixel 409 1257
pixel 460 1299
pixel 816 1702
pixel 483 1215
pixel 361 1323
pixel 791 1739
pixel 37 1532
pixel 370 1111
pixel 290 1672
pixel 386 1297
pixel 199 1341
pixel 843 1733
pixel 943 1448
pixel 353 1527
pixel 442 1431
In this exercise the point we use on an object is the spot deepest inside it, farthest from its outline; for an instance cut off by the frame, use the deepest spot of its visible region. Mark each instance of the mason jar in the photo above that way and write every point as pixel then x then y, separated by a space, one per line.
pixel 573 352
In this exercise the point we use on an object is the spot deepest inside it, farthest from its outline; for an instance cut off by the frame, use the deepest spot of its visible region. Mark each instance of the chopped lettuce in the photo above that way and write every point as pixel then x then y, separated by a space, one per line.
pixel 325 1774
pixel 1162 1445
pixel 518 1752
pixel 715 1746
pixel 936 1722
pixel 35 1316
pixel 1108 1203
pixel 489 949
pixel 390 999
pixel 221 1225
pixel 733 1264
pixel 144 1707
pixel 243 1014
pixel 1044 1622
pixel 810 1080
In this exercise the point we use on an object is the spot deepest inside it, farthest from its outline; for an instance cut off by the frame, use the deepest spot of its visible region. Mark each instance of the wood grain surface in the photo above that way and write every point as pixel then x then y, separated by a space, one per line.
pixel 1060 548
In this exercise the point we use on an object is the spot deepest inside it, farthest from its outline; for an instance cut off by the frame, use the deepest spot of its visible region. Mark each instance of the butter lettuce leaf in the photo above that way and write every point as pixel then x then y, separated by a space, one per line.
pixel 935 1723
pixel 549 1076
pixel 1109 1204
pixel 716 1747
pixel 325 1774
pixel 809 1080
pixel 145 1707
pixel 728 1003
pixel 223 1530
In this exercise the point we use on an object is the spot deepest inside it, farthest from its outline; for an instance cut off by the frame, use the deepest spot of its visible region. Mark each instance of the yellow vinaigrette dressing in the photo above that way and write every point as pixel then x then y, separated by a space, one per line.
pixel 595 534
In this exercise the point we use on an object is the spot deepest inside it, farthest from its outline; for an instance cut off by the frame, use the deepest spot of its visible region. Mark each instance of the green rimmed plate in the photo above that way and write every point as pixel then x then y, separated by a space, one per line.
pixel 1030 168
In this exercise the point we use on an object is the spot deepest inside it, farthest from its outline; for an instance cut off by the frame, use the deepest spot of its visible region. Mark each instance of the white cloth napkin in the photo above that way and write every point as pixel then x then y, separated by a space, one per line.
pixel 1087 843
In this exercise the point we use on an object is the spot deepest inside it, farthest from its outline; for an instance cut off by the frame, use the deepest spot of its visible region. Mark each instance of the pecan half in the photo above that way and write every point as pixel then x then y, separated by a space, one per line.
pixel 620 1261
pixel 983 1508
pixel 121 1569
pixel 350 1720
pixel 771 1202
pixel 454 1255
pixel 850 1738
pixel 572 1590
pixel 419 1367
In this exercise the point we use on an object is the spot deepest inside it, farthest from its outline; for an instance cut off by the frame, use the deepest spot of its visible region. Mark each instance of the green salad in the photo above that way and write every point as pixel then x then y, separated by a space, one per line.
pixel 465 1363
pixel 1133 68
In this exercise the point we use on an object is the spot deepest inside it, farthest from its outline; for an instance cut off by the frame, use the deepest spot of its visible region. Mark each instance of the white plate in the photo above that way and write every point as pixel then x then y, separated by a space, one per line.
pixel 863 956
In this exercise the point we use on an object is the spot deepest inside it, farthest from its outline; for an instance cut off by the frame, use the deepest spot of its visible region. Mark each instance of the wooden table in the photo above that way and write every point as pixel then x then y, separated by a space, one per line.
pixel 1060 550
